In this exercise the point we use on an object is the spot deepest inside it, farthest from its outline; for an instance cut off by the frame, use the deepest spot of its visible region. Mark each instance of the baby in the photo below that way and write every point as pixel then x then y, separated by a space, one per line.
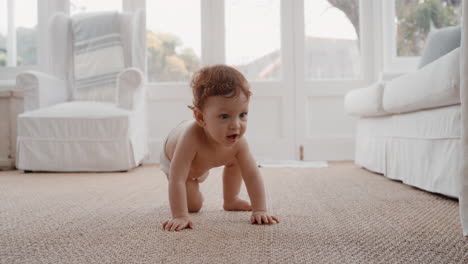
pixel 215 138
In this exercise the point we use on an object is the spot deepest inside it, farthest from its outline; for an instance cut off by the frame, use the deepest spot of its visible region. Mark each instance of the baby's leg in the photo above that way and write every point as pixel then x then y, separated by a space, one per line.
pixel 194 196
pixel 232 181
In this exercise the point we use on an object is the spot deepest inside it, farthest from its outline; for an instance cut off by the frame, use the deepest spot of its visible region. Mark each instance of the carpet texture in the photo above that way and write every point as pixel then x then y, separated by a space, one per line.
pixel 340 214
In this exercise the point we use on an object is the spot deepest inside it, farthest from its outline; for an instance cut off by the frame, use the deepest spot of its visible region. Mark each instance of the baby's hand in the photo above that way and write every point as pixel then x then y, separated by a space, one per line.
pixel 261 217
pixel 177 224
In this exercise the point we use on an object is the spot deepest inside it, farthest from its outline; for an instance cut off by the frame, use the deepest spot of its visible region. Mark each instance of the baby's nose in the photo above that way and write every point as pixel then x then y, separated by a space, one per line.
pixel 235 123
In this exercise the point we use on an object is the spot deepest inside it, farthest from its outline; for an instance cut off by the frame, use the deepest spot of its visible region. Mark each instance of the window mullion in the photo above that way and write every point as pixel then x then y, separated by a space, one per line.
pixel 45 9
pixel 212 30
pixel 133 5
pixel 11 35
pixel 298 42
pixel 219 34
pixel 393 64
pixel 206 32
pixel 388 15
pixel 287 37
pixel 369 57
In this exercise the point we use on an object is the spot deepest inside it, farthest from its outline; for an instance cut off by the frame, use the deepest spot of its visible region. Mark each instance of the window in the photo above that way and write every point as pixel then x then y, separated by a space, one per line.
pixel 253 38
pixel 173 41
pixel 414 20
pixel 18 33
pixel 406 24
pixel 331 44
pixel 80 6
pixel 3 32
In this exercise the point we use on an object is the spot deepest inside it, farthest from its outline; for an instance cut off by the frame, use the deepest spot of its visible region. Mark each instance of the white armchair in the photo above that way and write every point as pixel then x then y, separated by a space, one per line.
pixel 86 114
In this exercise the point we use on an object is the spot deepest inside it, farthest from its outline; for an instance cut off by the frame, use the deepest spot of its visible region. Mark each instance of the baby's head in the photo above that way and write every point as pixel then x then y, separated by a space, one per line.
pixel 217 80
pixel 220 102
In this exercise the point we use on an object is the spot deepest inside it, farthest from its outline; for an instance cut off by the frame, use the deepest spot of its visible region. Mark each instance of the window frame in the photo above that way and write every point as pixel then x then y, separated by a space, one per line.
pixel 9 71
pixel 335 87
pixel 213 49
pixel 212 52
pixel 393 63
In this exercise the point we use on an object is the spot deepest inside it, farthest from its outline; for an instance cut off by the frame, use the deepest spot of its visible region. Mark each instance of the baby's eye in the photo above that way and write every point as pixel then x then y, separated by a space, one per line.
pixel 224 116
pixel 243 115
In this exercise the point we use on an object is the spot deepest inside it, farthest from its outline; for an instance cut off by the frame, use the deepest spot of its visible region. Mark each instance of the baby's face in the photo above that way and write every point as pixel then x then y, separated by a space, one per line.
pixel 226 118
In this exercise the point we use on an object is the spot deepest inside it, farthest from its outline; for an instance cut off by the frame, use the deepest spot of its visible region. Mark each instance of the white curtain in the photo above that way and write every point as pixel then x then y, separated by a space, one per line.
pixel 464 106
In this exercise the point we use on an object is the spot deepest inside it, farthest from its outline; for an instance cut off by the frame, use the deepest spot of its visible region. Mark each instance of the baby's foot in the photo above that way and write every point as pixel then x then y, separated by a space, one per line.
pixel 237 205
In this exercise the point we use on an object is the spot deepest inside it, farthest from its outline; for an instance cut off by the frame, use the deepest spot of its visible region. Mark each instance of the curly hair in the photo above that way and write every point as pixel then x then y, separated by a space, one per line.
pixel 217 80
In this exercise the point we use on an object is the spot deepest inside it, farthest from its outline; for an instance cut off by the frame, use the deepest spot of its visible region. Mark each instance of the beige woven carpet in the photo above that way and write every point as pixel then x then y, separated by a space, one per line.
pixel 341 214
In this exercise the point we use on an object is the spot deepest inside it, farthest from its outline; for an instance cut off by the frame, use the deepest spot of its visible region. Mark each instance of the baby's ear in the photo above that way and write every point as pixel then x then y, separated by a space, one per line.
pixel 199 117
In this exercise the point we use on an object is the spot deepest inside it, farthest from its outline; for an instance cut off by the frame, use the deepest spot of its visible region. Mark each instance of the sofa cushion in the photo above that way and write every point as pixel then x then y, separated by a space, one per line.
pixel 365 101
pixel 440 42
pixel 437 84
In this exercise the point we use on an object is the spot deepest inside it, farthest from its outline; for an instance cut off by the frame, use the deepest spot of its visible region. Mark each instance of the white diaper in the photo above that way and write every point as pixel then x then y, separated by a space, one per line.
pixel 164 162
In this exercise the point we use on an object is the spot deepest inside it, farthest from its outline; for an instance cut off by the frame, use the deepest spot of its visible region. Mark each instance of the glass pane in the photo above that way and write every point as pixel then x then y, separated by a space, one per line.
pixel 80 6
pixel 173 39
pixel 331 44
pixel 3 32
pixel 253 38
pixel 414 20
pixel 26 31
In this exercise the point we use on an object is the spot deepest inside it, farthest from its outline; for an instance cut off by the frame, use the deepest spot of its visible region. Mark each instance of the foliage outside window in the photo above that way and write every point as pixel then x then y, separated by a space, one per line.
pixel 173 39
pixel 3 32
pixel 26 45
pixel 25 25
pixel 415 19
pixel 3 51
pixel 168 59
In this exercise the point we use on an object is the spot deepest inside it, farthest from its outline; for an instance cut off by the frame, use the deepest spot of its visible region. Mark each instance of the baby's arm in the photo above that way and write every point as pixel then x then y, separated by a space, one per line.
pixel 254 183
pixel 180 168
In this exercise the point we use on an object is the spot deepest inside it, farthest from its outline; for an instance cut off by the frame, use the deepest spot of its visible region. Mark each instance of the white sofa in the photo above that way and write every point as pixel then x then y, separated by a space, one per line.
pixel 415 128
pixel 409 128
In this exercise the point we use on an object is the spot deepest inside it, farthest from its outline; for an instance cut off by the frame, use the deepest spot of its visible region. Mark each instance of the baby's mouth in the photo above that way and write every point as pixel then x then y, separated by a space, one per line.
pixel 232 137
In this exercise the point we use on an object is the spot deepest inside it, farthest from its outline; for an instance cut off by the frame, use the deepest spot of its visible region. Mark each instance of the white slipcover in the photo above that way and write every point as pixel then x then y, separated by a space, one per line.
pixel 436 84
pixel 57 133
pixel 420 148
pixel 463 182
pixel 365 101
pixel 424 140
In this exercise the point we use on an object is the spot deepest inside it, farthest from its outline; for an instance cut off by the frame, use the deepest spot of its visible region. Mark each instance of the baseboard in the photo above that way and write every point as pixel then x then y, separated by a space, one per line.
pixel 7 164
pixel 331 149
